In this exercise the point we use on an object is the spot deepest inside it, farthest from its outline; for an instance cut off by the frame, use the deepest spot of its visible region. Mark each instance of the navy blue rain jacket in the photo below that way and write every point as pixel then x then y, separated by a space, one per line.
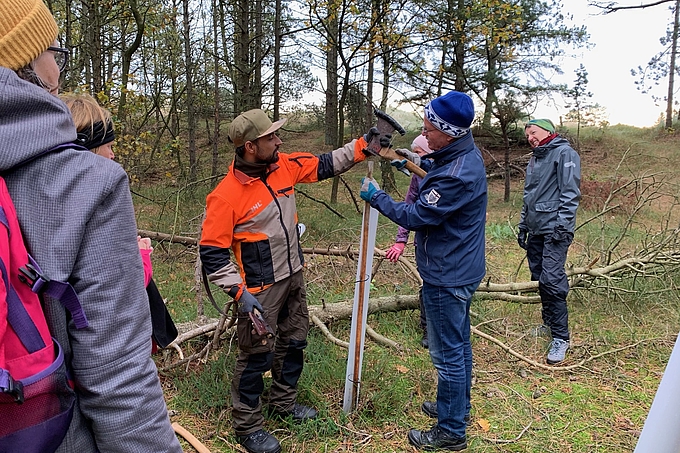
pixel 551 188
pixel 448 216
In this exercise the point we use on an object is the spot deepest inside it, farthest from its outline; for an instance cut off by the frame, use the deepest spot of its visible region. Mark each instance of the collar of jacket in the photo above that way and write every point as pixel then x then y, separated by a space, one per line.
pixel 457 148
pixel 247 172
pixel 542 150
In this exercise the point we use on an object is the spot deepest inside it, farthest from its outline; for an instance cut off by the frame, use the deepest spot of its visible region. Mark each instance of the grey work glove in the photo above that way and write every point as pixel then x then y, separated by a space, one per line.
pixel 246 301
pixel 522 238
pixel 410 155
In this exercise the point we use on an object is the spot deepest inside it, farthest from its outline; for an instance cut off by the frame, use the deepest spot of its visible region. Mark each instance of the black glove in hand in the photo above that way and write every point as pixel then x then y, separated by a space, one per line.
pixel 373 132
pixel 522 238
pixel 386 141
pixel 559 233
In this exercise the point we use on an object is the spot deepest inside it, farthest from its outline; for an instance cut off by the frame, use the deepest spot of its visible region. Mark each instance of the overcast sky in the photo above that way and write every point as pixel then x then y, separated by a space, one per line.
pixel 623 40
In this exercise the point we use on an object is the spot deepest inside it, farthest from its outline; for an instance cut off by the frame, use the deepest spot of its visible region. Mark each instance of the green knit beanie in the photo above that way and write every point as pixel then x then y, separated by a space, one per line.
pixel 544 124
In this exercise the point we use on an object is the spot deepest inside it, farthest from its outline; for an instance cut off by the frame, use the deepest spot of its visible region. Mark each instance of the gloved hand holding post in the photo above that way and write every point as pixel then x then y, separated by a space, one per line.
pixel 369 187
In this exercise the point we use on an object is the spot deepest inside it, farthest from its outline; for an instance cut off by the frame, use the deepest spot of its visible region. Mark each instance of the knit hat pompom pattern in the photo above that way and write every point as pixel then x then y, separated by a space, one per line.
pixel 543 123
pixel 27 29
pixel 452 113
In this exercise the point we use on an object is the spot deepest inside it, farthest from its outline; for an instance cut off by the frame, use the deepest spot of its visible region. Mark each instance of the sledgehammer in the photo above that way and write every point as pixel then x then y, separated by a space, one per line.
pixel 387 126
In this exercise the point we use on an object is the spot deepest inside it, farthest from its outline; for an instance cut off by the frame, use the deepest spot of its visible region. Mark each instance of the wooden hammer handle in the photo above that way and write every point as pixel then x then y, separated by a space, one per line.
pixel 179 429
pixel 390 154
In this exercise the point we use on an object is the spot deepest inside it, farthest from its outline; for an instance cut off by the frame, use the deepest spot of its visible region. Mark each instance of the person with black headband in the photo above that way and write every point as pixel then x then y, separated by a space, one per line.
pixel 96 133
pixel 93 123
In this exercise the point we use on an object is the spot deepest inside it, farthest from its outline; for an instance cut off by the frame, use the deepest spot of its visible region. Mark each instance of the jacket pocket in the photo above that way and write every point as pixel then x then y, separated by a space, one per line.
pixel 258 267
pixel 547 206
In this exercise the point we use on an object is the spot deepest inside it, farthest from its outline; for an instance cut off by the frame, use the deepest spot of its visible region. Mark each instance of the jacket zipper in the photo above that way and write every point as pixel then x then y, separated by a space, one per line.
pixel 285 230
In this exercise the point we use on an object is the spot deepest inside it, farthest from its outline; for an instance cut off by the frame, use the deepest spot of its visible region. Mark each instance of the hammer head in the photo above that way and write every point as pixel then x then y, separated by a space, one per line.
pixel 387 126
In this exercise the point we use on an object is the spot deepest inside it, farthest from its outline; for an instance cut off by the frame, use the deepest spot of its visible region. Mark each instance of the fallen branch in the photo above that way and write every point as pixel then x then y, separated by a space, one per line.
pixel 509 441
pixel 375 336
pixel 536 364
pixel 327 333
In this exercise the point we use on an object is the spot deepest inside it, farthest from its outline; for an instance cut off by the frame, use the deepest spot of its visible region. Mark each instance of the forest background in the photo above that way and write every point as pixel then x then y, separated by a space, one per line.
pixel 175 73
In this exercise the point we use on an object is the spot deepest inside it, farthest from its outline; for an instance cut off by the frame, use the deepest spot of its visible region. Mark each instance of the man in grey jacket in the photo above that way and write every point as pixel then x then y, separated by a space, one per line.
pixel 546 225
pixel 76 214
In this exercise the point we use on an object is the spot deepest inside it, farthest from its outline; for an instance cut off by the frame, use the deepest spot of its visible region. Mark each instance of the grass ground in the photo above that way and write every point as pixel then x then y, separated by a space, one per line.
pixel 600 407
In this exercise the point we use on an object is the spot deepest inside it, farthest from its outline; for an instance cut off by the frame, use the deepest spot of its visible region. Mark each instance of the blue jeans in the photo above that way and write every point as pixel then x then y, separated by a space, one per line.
pixel 448 326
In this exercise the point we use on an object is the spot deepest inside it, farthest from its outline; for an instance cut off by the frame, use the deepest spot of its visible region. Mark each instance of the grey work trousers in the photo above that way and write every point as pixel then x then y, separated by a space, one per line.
pixel 285 306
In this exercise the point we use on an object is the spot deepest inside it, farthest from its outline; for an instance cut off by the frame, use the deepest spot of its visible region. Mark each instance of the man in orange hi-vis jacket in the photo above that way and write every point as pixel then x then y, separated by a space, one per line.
pixel 252 213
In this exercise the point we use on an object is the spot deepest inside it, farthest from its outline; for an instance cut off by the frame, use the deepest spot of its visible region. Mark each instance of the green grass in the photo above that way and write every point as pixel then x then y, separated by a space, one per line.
pixel 600 407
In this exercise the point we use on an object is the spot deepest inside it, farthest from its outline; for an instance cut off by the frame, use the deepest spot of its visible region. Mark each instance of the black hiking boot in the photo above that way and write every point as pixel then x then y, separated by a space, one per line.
pixel 424 342
pixel 299 413
pixel 436 439
pixel 260 442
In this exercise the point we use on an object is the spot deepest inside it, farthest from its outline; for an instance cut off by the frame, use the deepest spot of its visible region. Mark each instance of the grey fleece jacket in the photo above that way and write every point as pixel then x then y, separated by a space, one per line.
pixel 76 214
pixel 551 189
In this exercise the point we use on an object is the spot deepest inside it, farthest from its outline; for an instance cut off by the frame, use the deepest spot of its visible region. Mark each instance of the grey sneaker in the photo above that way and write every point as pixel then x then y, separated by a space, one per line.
pixel 558 348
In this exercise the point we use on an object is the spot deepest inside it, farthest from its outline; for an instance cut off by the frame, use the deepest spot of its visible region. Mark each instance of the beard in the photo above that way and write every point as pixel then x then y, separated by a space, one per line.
pixel 274 157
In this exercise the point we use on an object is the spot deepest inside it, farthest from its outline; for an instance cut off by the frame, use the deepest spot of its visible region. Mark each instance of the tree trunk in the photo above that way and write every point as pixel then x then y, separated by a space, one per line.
pixel 671 70
pixel 216 75
pixel 277 59
pixel 191 117
pixel 241 61
pixel 258 51
pixel 127 59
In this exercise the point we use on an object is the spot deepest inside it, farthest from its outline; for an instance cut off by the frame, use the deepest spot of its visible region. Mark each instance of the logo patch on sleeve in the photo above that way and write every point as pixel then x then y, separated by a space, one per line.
pixel 433 197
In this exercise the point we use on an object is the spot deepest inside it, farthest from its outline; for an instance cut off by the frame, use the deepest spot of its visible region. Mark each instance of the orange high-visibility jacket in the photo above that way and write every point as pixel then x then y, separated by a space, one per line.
pixel 257 219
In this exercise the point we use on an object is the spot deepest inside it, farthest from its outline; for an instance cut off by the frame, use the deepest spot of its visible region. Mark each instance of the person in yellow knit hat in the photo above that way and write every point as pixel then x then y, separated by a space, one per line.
pixel 76 215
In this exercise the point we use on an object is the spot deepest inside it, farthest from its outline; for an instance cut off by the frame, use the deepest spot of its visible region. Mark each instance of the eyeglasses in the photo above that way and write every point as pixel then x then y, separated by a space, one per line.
pixel 60 57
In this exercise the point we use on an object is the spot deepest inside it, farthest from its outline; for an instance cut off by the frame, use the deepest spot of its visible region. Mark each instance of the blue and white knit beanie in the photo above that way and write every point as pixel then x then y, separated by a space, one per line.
pixel 452 113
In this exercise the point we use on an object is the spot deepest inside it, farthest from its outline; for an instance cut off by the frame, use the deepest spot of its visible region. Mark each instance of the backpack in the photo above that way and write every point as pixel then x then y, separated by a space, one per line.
pixel 36 395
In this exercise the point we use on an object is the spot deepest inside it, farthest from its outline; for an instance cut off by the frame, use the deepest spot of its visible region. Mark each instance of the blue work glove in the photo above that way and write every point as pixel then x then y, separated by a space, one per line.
pixel 401 166
pixel 522 238
pixel 369 187
pixel 246 301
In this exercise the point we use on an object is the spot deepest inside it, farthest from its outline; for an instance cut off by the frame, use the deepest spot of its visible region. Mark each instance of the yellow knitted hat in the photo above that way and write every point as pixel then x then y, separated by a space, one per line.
pixel 27 29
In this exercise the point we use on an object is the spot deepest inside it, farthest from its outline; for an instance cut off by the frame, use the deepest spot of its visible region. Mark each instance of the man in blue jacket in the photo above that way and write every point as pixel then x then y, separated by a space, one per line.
pixel 546 225
pixel 448 218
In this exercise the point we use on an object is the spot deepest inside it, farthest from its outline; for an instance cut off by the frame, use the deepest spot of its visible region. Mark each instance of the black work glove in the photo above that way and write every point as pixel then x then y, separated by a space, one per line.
pixel 373 132
pixel 246 301
pixel 560 233
pixel 386 141
pixel 522 238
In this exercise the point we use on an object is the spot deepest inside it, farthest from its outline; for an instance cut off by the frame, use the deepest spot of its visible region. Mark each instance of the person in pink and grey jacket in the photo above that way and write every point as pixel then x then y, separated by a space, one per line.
pixel 419 146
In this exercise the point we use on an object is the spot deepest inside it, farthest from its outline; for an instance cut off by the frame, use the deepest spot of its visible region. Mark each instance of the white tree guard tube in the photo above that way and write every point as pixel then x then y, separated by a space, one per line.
pixel 661 433
pixel 362 288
